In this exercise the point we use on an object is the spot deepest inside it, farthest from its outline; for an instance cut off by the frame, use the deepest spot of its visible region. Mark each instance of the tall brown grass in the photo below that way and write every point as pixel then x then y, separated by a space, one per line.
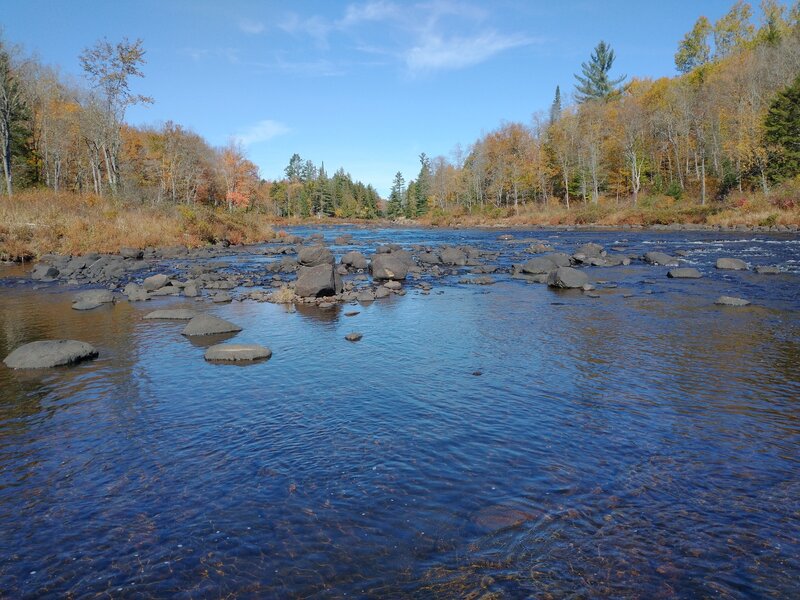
pixel 780 207
pixel 37 222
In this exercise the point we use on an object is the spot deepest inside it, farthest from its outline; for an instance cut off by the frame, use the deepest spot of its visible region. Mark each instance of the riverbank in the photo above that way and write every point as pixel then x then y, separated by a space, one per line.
pixel 36 223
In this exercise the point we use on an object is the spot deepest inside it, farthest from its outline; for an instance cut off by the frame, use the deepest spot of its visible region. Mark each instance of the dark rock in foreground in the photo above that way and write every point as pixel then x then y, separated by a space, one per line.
pixel 237 352
pixel 49 353
pixel 209 325
pixel 317 282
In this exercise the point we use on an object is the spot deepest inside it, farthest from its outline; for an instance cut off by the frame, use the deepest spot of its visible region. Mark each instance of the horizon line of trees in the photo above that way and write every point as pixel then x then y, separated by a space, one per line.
pixel 729 122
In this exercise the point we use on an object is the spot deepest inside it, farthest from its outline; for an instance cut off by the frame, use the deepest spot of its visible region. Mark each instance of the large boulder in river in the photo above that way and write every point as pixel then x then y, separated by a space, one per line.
pixel 209 325
pixel 591 250
pixel 49 353
pixel 453 256
pixel 731 264
pixel 538 266
pixel 318 281
pixel 388 266
pixel 567 277
pixel 44 273
pixel 311 256
pixel 155 282
pixel 92 299
pixel 355 260
pixel 660 258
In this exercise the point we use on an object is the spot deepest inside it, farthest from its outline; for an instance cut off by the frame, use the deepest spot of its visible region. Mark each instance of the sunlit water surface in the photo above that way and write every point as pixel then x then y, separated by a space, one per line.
pixel 507 439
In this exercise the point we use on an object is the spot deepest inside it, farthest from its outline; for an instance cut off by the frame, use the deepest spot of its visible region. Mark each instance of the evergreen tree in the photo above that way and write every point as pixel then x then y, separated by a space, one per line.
pixel 595 83
pixel 782 133
pixel 555 108
pixel 294 169
pixel 694 50
pixel 395 206
pixel 423 186
pixel 410 206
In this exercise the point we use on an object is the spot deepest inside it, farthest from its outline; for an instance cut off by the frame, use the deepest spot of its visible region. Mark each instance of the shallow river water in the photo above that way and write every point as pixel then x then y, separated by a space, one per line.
pixel 505 439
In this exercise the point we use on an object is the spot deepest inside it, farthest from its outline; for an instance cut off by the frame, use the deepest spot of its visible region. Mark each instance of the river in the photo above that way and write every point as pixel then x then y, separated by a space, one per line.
pixel 505 439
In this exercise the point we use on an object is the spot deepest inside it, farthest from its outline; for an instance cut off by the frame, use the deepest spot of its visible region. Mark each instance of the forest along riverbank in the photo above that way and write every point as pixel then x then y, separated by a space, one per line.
pixel 474 431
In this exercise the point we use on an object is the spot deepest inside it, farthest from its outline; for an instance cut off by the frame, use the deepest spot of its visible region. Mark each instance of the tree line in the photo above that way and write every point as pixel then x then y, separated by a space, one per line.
pixel 728 123
pixel 70 136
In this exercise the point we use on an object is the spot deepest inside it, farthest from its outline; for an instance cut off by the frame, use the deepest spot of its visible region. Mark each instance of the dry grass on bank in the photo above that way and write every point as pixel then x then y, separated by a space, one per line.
pixel 781 207
pixel 34 223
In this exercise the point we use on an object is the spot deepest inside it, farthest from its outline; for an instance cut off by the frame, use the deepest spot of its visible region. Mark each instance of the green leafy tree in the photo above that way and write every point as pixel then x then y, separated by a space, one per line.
pixel 782 133
pixel 595 83
pixel 733 30
pixel 395 206
pixel 694 50
pixel 773 22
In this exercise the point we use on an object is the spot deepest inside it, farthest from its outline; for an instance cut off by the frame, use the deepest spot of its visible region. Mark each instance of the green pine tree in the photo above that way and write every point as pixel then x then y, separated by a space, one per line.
pixel 595 83
pixel 782 133
pixel 423 187
pixel 555 108
pixel 395 206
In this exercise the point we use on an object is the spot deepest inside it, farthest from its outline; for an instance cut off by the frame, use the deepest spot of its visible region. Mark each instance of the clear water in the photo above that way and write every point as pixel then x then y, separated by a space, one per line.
pixel 507 439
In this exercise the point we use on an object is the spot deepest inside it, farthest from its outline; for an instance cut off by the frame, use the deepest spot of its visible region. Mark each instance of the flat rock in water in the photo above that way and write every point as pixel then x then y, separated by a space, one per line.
pixel 49 353
pixel 660 258
pixel 175 314
pixel 731 264
pixel 237 352
pixel 731 301
pixel 684 273
pixel 354 336
pixel 86 305
pixel 209 325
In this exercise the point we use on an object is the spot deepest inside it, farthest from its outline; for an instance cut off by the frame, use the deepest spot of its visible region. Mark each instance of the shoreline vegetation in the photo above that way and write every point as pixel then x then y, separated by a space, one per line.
pixel 38 222
pixel 713 147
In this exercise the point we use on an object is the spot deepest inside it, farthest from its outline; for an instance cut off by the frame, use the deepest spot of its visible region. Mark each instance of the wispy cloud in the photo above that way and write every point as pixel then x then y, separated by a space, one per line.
pixel 315 26
pixel 434 52
pixel 262 131
pixel 380 10
pixel 252 27
pixel 197 54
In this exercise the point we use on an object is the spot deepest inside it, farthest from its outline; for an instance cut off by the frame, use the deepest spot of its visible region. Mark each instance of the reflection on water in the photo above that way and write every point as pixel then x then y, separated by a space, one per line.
pixel 621 447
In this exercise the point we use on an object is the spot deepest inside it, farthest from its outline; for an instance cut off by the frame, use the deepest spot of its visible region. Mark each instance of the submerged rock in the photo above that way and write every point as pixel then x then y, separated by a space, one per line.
pixel 767 270
pixel 49 353
pixel 731 301
pixel 175 314
pixel 237 353
pixel 209 325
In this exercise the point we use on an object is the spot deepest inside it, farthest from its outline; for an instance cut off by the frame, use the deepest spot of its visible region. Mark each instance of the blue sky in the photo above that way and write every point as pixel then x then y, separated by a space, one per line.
pixel 364 85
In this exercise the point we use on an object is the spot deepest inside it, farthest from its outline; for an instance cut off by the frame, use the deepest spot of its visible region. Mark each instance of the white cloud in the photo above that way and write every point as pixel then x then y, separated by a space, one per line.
pixel 434 52
pixel 261 132
pixel 251 27
pixel 378 10
pixel 315 26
